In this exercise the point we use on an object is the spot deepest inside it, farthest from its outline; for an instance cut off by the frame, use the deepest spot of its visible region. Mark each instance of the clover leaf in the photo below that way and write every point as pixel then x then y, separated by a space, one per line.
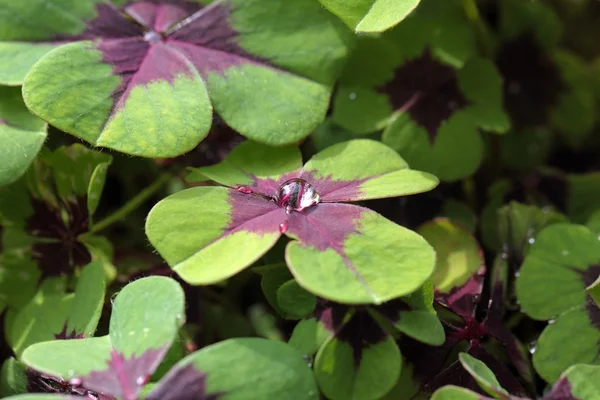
pixel 339 251
pixel 360 344
pixel 147 75
pixel 561 263
pixel 46 219
pixel 21 134
pixel 147 315
pixel 428 94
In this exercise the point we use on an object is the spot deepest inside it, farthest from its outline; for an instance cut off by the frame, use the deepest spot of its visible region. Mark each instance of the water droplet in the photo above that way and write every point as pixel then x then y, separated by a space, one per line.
pixel 283 227
pixel 532 349
pixel 476 298
pixel 70 372
pixel 531 240
pixel 551 321
pixel 296 195
pixel 565 252
pixel 352 96
pixel 245 190
pixel 75 382
pixel 141 380
pixel 152 37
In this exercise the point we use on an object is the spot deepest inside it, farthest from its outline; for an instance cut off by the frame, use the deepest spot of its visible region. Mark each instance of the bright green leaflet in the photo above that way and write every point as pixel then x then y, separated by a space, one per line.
pixel 21 134
pixel 458 255
pixel 482 374
pixel 456 393
pixel 370 15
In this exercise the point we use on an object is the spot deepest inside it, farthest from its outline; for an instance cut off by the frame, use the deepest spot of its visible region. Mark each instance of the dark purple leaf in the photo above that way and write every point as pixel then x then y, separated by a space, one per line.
pixel 58 251
pixel 589 276
pixel 361 332
pixel 428 90
pixel 561 390
pixel 532 82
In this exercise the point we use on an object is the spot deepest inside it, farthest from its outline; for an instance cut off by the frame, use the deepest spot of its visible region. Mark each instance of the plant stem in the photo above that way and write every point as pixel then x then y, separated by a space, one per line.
pixel 487 41
pixel 132 204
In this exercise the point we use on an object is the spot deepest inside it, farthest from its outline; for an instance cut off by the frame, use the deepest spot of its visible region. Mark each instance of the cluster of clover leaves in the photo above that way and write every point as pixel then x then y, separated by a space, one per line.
pixel 379 311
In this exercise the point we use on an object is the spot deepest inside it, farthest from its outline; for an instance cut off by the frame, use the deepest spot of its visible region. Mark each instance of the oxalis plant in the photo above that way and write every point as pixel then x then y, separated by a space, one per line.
pixel 299 199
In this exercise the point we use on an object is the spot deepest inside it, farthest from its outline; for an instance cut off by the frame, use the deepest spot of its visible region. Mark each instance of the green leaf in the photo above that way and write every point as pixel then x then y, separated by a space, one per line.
pixel 133 333
pixel 366 372
pixel 19 278
pixel 13 378
pixel 192 228
pixel 583 381
pixel 208 234
pixel 370 15
pixel 380 172
pixel 63 358
pixel 308 336
pixel 562 262
pixel 159 102
pixel 380 261
pixel 482 374
pixel 458 255
pixel 248 162
pixel 594 291
pixel 294 300
pixel 21 134
pixel 456 153
pixel 243 369
pixel 57 315
pixel 456 393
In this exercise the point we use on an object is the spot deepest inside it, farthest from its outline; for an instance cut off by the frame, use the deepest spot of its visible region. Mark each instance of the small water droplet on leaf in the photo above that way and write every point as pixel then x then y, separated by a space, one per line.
pixel 245 190
pixel 296 195
pixel 283 227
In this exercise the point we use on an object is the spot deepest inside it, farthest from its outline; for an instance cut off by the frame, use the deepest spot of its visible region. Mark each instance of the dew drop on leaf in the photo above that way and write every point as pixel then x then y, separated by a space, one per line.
pixel 296 195
pixel 245 190
pixel 283 227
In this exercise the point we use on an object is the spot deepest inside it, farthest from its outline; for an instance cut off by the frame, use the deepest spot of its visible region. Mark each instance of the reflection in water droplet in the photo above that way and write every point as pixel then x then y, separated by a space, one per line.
pixel 296 195
pixel 152 37
pixel 141 380
pixel 245 190
pixel 283 227
pixel 75 382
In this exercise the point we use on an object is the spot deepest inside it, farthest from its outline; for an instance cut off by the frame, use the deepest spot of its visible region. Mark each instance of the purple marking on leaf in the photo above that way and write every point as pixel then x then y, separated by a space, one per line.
pixel 182 383
pixel 63 334
pixel 161 38
pixel 391 310
pixel 253 213
pixel 532 81
pixel 325 226
pixel 334 190
pixel 329 314
pixel 63 252
pixel 38 382
pixel 121 378
pixel 428 90
pixel 589 276
pixel 361 332
pixel 160 15
pixel 3 122
pixel 463 300
pixel 561 390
